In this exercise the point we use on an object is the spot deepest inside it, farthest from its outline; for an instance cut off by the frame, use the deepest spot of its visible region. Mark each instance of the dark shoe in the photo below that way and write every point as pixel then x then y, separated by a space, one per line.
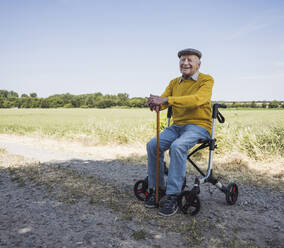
pixel 151 200
pixel 170 206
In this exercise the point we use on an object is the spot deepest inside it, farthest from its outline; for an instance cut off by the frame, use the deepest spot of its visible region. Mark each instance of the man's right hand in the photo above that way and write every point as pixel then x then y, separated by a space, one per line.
pixel 155 102
pixel 154 107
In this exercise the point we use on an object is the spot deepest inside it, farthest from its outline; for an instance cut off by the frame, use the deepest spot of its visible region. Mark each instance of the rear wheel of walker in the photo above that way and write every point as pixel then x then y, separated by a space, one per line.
pixel 232 193
pixel 189 203
pixel 141 189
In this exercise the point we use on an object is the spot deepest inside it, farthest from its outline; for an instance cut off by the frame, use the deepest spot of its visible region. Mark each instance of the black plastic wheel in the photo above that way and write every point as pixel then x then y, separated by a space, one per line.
pixel 189 203
pixel 232 193
pixel 141 189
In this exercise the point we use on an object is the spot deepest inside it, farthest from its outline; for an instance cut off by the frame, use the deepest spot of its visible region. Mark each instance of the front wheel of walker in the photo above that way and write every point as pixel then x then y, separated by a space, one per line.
pixel 189 203
pixel 141 189
pixel 232 193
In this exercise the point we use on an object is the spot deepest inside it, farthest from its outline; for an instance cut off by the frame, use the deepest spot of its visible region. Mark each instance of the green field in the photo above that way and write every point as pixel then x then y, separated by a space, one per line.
pixel 100 126
pixel 259 134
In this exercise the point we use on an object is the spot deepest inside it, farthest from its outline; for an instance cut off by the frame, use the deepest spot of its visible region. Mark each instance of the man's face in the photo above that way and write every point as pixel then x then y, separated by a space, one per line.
pixel 188 65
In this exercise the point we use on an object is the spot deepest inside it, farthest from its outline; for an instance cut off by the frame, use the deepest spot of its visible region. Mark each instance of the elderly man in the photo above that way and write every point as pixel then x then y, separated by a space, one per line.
pixel 190 98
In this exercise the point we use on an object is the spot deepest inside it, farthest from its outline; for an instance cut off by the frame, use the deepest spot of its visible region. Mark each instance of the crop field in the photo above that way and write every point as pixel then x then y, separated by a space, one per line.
pixel 95 126
pixel 259 134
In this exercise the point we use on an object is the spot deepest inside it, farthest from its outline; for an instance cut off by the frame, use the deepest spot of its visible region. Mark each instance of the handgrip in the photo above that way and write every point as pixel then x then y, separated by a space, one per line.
pixel 220 117
pixel 220 105
pixel 215 109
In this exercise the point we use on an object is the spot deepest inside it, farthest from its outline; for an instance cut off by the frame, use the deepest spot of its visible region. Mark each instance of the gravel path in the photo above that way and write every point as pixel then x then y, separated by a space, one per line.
pixel 31 217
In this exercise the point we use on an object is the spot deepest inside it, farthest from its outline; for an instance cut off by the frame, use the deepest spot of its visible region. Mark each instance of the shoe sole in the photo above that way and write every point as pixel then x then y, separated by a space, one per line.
pixel 167 215
pixel 150 206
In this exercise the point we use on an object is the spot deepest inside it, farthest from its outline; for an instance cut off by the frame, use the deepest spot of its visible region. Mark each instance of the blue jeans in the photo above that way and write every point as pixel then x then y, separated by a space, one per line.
pixel 179 139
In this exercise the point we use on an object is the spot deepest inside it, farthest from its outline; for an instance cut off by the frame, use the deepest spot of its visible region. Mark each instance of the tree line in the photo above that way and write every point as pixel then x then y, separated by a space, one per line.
pixel 11 99
pixel 256 104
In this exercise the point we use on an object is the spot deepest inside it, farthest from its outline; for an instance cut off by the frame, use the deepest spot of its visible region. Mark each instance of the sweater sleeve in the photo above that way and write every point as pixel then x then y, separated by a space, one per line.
pixel 167 93
pixel 202 96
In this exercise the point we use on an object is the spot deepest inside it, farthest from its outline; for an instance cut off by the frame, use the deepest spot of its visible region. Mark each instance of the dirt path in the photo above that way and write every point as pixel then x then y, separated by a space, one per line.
pixel 44 150
pixel 32 216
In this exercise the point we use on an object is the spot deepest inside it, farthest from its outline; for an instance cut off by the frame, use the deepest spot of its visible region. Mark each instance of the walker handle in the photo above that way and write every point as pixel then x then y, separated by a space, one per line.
pixel 217 114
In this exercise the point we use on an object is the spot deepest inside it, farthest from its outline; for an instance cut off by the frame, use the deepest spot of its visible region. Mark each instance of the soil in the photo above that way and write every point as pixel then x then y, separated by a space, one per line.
pixel 31 216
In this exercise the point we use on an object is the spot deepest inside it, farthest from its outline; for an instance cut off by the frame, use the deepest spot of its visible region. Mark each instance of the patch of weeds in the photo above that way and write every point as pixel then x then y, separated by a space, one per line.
pixel 279 176
pixel 236 229
pixel 122 139
pixel 94 200
pixel 16 178
pixel 233 243
pixel 133 159
pixel 195 233
pixel 229 239
pixel 219 220
pixel 140 213
pixel 126 217
pixel 138 235
pixel 2 150
pixel 12 170
pixel 251 244
pixel 191 231
pixel 21 184
pixel 212 226
pixel 113 203
pixel 67 198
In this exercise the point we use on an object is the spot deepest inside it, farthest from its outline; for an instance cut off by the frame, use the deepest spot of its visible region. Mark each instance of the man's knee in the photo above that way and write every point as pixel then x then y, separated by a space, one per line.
pixel 177 147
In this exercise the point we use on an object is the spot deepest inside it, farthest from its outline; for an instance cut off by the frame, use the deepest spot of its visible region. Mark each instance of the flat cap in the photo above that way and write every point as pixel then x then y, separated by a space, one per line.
pixel 190 51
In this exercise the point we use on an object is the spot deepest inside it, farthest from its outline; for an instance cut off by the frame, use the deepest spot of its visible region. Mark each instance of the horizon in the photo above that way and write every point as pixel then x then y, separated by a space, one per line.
pixel 213 100
pixel 114 47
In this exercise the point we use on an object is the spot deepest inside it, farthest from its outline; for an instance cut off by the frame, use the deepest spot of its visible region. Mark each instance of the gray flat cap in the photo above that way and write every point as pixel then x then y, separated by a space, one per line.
pixel 190 51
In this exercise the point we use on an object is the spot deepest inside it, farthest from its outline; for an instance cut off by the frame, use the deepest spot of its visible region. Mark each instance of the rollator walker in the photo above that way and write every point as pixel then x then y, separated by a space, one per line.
pixel 188 200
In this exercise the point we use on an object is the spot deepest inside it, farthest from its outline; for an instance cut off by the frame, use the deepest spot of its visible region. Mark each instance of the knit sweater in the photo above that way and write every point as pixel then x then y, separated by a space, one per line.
pixel 191 101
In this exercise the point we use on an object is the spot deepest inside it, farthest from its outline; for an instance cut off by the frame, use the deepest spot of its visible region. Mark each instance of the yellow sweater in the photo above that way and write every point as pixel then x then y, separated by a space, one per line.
pixel 191 101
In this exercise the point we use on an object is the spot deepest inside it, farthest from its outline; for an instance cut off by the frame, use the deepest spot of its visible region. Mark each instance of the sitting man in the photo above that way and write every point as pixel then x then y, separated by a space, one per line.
pixel 190 98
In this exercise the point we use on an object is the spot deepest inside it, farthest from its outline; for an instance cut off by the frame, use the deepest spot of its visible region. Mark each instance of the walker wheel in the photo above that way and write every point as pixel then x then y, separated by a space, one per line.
pixel 141 189
pixel 189 203
pixel 232 193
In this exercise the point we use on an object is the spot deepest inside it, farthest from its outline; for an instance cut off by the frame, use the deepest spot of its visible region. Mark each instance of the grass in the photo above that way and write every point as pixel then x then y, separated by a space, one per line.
pixel 259 134
pixel 90 126
pixel 140 234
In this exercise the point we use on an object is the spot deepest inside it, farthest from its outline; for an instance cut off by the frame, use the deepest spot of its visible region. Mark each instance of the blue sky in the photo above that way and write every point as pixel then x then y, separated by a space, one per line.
pixel 83 46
